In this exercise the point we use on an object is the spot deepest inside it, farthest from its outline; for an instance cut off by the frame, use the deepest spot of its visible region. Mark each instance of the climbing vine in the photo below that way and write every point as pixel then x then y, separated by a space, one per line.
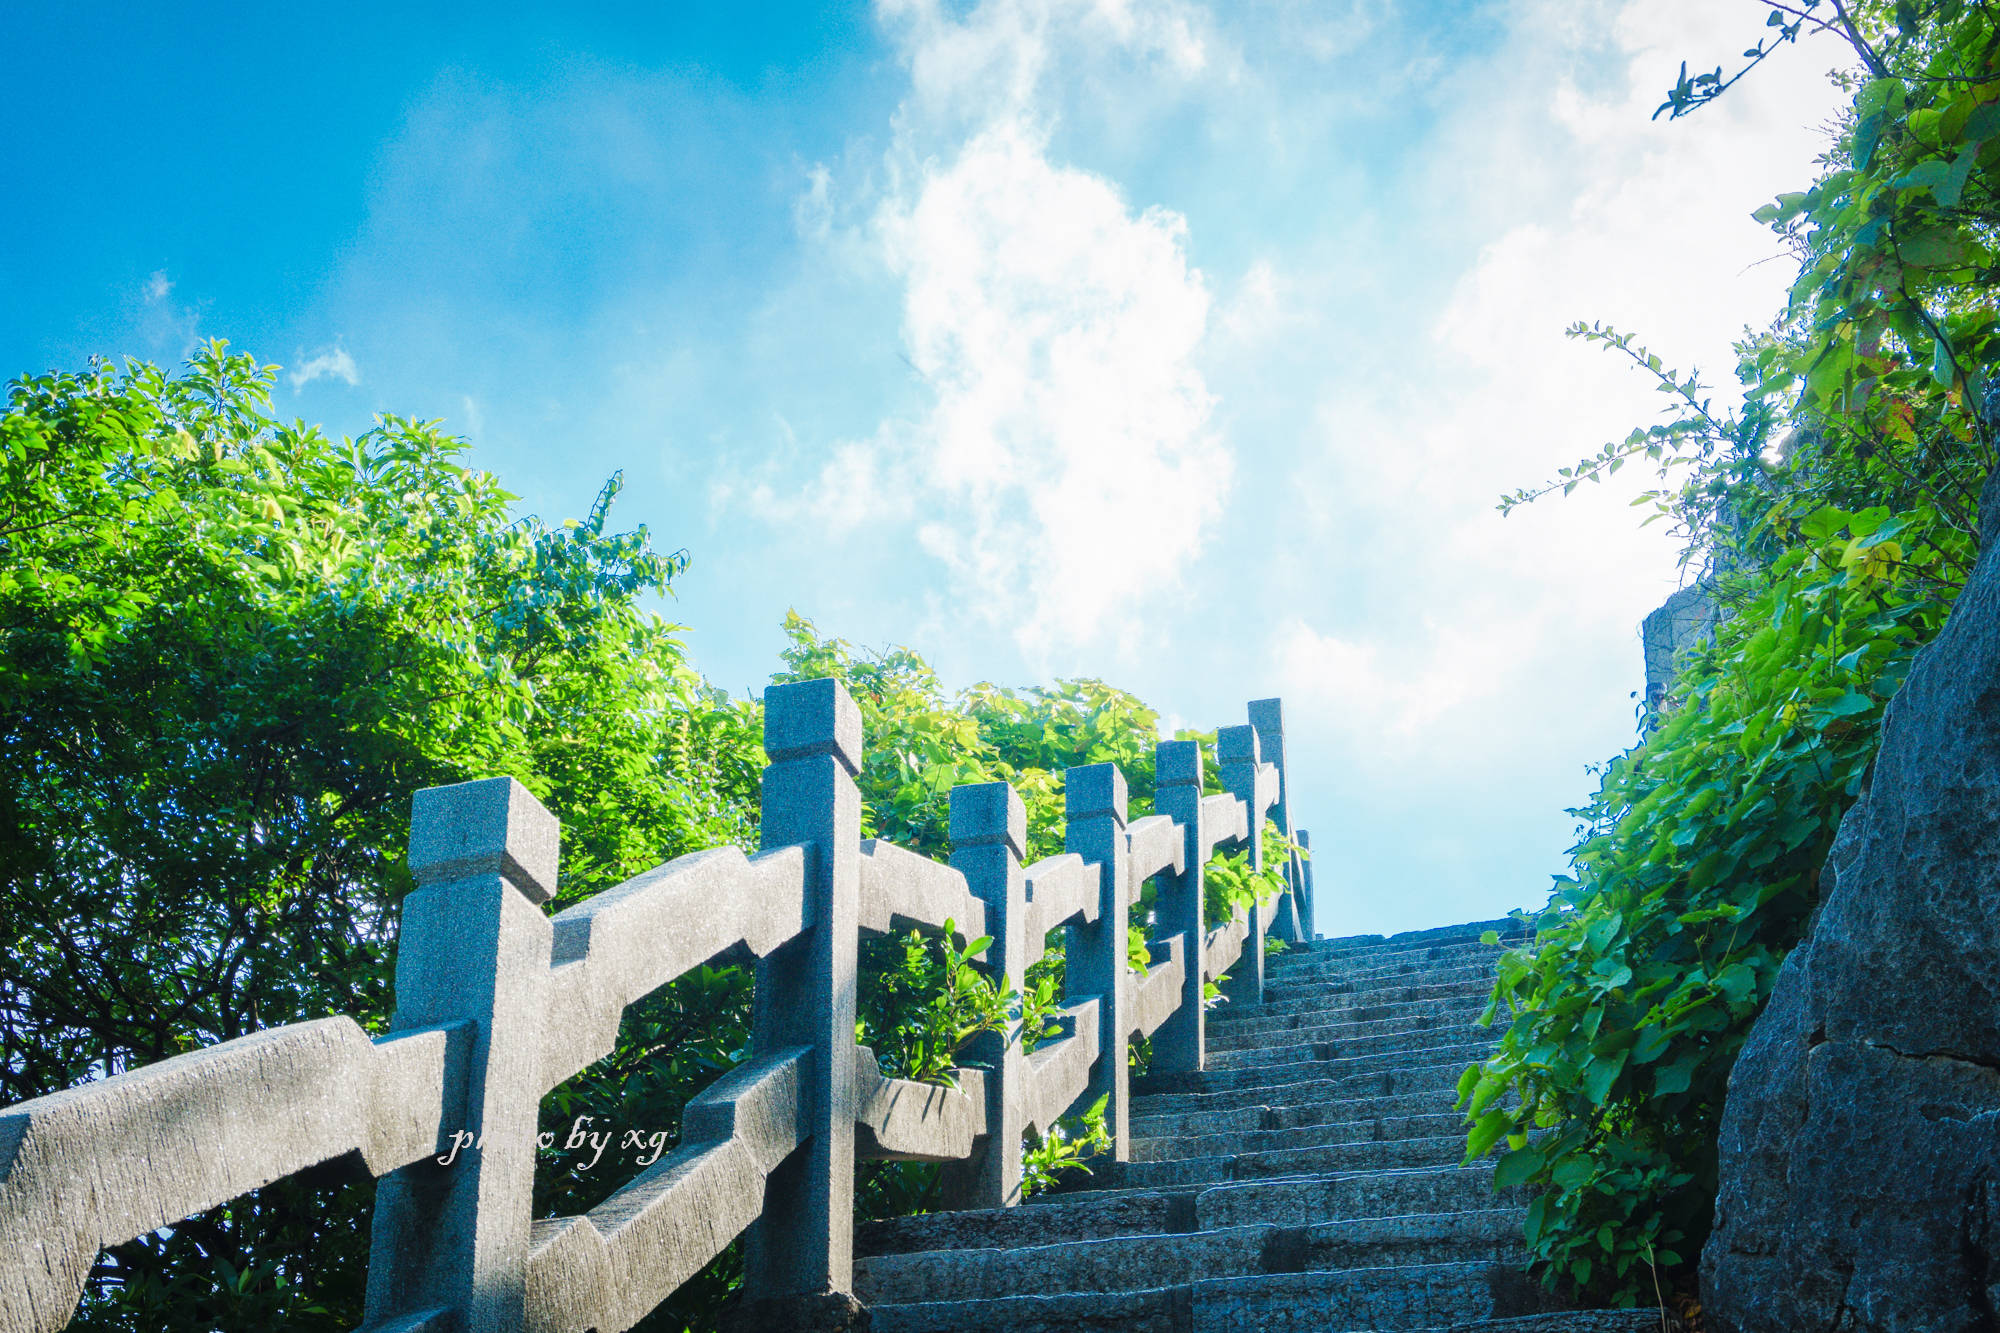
pixel 1832 514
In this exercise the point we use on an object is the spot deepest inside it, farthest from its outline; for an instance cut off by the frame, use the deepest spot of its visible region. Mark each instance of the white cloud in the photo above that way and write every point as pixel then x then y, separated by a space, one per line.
pixel 996 60
pixel 1450 658
pixel 1657 239
pixel 852 488
pixel 1069 439
pixel 1369 692
pixel 167 326
pixel 334 363
pixel 1260 306
pixel 1063 468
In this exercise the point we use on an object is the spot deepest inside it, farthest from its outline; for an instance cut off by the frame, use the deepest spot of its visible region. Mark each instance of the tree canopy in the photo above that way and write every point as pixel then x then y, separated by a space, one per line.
pixel 232 648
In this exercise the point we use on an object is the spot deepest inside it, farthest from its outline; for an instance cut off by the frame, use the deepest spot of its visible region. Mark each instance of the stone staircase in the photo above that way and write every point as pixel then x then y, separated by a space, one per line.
pixel 1307 1180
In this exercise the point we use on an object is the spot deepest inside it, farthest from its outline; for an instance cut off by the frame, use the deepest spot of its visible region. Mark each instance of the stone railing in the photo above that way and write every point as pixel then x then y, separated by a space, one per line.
pixel 497 1003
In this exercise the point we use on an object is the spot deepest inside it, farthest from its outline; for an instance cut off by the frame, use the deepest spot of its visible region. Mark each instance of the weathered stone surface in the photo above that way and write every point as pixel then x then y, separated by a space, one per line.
pixel 897 1120
pixel 100 1164
pixel 1860 1176
pixel 828 1312
pixel 1685 619
pixel 491 827
pixel 988 831
pixel 900 889
pixel 622 944
pixel 1099 946
pixel 474 949
pixel 1179 1043
pixel 802 1244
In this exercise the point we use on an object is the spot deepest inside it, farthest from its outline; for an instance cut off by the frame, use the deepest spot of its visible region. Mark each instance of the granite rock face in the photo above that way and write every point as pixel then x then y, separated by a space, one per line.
pixel 1860 1145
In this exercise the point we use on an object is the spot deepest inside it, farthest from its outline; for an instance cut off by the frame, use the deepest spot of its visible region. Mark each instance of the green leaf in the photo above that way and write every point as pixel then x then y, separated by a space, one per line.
pixel 1929 175
pixel 1942 368
pixel 1982 124
pixel 1517 1168
pixel 1935 247
pixel 1953 185
pixel 1600 1073
pixel 1485 1133
pixel 1676 1076
pixel 1573 1172
pixel 1603 931
pixel 1653 1042
pixel 1737 982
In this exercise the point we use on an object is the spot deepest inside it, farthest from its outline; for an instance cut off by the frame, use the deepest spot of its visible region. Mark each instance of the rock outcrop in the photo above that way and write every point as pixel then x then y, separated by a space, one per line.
pixel 1860 1145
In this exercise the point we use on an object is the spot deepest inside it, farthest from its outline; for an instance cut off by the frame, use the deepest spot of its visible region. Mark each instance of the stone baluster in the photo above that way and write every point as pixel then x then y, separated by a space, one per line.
pixel 474 950
pixel 1096 962
pixel 989 835
pixel 803 1245
pixel 1292 919
pixel 1236 754
pixel 1179 1043
pixel 1302 863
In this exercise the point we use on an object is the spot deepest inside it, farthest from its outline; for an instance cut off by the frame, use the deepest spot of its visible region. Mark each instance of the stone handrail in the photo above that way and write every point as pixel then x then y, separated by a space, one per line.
pixel 499 1002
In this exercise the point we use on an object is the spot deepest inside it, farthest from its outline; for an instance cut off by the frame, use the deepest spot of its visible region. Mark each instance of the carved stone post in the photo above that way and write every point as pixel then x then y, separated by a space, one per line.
pixel 989 835
pixel 1236 754
pixel 1308 910
pixel 803 1245
pixel 1292 919
pixel 1180 1041
pixel 474 949
pixel 1094 810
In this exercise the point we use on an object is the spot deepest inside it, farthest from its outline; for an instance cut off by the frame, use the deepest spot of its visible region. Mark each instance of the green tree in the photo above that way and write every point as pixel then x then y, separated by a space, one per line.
pixel 230 650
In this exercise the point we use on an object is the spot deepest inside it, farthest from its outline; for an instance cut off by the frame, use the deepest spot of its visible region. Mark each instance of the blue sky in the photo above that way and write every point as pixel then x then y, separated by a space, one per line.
pixel 1188 346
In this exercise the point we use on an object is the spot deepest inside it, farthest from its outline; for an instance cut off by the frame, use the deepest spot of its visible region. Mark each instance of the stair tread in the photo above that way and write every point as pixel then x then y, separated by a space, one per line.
pixel 1310 1178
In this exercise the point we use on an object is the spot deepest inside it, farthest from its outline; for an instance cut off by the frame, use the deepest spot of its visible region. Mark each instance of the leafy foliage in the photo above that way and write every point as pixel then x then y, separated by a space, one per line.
pixel 1627 1011
pixel 230 650
pixel 1066 1149
pixel 1834 550
pixel 938 1002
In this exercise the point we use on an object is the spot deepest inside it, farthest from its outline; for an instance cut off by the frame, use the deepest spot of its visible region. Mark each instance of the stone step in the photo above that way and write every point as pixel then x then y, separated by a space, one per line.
pixel 1565 1321
pixel 1144 1262
pixel 1469 932
pixel 1163 1310
pixel 1303 1200
pixel 1250 1026
pixel 1389 1082
pixel 1307 1179
pixel 1271 1074
pixel 1046 1219
pixel 1374 985
pixel 1367 1155
pixel 1416 963
pixel 1244 1119
pixel 1412 1297
pixel 1257 1139
pixel 1381 1003
pixel 1300 1045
